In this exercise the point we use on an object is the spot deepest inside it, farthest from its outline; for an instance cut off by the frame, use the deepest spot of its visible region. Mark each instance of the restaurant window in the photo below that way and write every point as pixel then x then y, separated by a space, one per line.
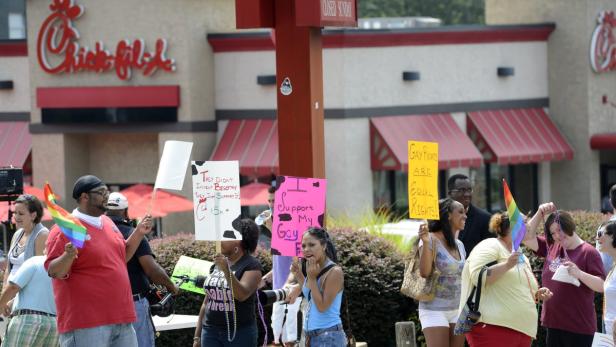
pixel 17 26
pixel 12 20
pixel 488 186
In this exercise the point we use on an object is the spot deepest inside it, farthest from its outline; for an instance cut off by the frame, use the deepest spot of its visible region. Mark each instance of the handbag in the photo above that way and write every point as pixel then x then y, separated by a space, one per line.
pixel 415 286
pixel 470 312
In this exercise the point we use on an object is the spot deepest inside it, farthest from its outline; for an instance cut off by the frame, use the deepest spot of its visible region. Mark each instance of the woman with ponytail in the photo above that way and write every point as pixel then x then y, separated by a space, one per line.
pixel 438 317
pixel 323 284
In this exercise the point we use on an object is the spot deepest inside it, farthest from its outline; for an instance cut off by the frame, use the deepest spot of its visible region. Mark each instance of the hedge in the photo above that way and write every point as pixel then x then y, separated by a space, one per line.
pixel 373 274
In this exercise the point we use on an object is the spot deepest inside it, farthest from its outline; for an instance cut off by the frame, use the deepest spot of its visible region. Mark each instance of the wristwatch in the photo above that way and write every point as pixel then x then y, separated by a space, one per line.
pixel 196 338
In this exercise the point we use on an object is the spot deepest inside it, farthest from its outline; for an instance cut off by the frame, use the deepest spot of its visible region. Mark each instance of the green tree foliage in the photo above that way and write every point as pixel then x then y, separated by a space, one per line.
pixel 449 11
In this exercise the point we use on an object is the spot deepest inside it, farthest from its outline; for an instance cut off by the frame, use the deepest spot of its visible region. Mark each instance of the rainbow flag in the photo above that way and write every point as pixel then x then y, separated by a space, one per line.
pixel 71 227
pixel 516 219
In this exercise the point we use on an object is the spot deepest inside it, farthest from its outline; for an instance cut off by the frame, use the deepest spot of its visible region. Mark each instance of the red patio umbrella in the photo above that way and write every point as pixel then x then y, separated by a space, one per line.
pixel 254 194
pixel 140 195
pixel 4 205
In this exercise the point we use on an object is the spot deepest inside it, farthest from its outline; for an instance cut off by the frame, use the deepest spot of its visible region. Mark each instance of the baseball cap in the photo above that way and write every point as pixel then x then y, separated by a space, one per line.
pixel 117 201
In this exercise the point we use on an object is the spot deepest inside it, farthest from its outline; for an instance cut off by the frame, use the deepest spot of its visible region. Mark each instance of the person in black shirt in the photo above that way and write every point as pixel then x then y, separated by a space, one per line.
pixel 227 316
pixel 142 269
pixel 477 220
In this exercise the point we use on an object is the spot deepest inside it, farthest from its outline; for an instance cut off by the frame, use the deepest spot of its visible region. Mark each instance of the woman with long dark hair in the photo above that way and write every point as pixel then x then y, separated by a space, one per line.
pixel 438 317
pixel 323 287
pixel 227 316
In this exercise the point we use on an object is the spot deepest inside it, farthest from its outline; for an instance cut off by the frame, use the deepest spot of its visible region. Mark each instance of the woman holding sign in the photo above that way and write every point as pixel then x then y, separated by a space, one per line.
pixel 438 316
pixel 323 284
pixel 573 271
pixel 227 316
pixel 509 291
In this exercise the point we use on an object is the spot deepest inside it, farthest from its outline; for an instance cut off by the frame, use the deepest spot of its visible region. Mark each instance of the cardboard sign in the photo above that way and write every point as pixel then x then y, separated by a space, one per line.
pixel 423 180
pixel 216 195
pixel 195 270
pixel 173 163
pixel 299 204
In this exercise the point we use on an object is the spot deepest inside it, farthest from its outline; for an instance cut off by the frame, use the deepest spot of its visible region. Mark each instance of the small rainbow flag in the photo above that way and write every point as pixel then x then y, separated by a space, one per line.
pixel 71 227
pixel 516 219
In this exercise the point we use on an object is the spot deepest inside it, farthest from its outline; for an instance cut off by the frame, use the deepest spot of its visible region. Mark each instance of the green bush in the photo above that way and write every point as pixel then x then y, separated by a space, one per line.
pixel 373 271
pixel 373 275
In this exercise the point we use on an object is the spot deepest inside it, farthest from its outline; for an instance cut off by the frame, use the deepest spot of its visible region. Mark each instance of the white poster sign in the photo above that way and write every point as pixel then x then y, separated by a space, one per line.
pixel 173 163
pixel 216 194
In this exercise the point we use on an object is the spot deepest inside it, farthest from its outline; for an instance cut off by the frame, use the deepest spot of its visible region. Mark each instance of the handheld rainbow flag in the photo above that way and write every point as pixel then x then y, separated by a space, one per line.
pixel 71 227
pixel 516 219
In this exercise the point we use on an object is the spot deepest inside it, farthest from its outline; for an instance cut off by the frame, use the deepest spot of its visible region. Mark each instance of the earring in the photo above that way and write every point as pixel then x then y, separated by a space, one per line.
pixel 236 249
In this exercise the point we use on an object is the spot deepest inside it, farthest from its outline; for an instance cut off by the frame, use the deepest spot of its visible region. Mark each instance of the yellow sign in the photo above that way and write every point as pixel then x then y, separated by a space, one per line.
pixel 423 180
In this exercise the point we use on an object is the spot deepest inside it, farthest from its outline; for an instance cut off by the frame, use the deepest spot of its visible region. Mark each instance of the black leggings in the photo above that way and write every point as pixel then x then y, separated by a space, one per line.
pixel 563 338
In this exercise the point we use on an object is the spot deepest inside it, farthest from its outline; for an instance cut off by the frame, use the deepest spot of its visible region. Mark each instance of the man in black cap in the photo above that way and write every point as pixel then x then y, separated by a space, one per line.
pixel 142 269
pixel 477 227
pixel 91 286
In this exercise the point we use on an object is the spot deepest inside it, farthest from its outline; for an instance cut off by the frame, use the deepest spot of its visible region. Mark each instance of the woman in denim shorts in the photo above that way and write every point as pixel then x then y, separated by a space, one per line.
pixel 323 287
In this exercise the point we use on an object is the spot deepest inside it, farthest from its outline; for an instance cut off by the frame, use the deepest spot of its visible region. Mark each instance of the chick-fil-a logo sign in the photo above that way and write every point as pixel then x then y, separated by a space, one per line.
pixel 603 43
pixel 58 51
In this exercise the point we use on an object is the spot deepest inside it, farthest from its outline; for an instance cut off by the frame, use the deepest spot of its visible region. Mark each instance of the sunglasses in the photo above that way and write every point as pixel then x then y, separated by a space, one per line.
pixel 602 232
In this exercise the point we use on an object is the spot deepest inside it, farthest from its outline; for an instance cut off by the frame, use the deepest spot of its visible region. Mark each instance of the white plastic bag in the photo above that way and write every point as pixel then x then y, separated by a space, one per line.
pixel 562 275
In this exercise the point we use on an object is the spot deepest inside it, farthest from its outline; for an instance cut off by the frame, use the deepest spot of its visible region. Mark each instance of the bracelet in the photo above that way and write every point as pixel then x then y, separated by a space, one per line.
pixel 196 338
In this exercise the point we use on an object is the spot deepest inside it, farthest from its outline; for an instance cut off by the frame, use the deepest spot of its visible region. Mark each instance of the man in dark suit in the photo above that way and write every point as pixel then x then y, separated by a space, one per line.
pixel 477 220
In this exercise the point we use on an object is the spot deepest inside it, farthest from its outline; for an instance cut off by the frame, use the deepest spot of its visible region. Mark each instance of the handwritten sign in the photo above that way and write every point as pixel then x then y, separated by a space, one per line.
pixel 195 270
pixel 216 195
pixel 299 205
pixel 423 180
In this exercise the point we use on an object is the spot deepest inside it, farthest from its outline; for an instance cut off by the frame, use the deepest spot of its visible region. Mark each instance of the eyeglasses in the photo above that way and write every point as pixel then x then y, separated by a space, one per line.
pixel 101 192
pixel 463 190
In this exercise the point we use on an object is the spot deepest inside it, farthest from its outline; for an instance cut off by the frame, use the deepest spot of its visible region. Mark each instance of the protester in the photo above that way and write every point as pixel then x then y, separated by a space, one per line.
pixel 608 213
pixel 227 315
pixel 284 314
pixel 569 316
pixel 323 285
pixel 30 237
pixel 606 239
pixel 91 286
pixel 142 270
pixel 509 293
pixel 438 317
pixel 33 321
pixel 476 228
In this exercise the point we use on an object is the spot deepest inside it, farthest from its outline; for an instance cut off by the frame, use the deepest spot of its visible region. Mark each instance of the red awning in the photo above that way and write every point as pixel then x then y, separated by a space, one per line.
pixel 254 143
pixel 603 141
pixel 389 138
pixel 15 143
pixel 517 136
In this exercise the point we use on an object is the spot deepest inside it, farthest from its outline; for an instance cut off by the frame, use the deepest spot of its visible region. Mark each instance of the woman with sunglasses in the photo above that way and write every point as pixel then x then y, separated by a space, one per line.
pixel 30 237
pixel 606 242
pixel 573 271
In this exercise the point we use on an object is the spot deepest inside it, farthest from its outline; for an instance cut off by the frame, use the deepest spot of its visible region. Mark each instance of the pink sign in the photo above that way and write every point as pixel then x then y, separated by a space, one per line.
pixel 299 204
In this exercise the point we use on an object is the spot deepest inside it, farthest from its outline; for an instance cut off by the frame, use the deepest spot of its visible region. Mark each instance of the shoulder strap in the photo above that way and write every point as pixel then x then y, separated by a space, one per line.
pixel 480 284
